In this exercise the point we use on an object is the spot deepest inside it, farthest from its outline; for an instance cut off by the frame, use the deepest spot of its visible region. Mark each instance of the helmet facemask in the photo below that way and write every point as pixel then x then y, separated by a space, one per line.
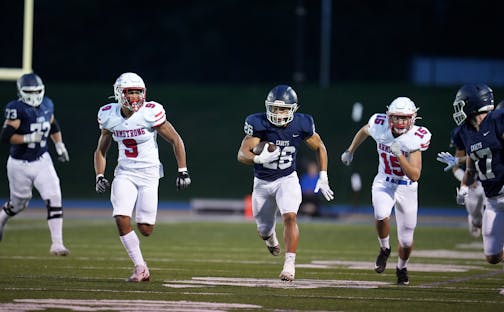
pixel 124 91
pixel 459 116
pixel 401 115
pixel 279 113
pixel 133 98
pixel 31 90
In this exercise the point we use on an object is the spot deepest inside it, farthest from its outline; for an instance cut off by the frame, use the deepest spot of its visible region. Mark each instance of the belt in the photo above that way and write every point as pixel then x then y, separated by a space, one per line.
pixel 400 182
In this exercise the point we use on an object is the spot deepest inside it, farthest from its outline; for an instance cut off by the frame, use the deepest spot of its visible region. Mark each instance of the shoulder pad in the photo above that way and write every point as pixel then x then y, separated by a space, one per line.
pixel 108 116
pixel 154 113
pixel 418 138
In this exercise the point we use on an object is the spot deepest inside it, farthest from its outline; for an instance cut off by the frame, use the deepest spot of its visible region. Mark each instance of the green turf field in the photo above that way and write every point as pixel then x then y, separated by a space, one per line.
pixel 223 266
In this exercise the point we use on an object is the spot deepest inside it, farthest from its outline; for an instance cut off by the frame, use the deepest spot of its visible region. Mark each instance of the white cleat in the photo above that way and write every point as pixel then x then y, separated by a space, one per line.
pixel 140 274
pixel 59 250
pixel 288 272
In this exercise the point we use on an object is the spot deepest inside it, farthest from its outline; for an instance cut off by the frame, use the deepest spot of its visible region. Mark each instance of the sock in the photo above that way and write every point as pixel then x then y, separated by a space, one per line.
pixel 290 257
pixel 401 264
pixel 131 243
pixel 384 242
pixel 56 229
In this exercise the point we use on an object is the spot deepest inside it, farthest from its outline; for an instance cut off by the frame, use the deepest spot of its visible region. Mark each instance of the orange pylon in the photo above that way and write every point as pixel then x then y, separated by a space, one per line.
pixel 247 211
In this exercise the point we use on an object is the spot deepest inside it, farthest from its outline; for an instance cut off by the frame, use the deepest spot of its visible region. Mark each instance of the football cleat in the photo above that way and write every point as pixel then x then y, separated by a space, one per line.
pixel 275 251
pixel 381 260
pixel 140 274
pixel 402 276
pixel 288 272
pixel 59 250
pixel 272 244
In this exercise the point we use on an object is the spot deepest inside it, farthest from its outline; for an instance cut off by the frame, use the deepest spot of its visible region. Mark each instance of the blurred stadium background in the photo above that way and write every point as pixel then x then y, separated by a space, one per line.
pixel 212 63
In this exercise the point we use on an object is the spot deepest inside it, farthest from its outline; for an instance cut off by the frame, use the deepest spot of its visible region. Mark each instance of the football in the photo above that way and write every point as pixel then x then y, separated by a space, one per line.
pixel 259 147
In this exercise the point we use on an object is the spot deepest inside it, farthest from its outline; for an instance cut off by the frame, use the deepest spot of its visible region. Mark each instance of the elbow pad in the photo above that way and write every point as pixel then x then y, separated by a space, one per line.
pixel 7 132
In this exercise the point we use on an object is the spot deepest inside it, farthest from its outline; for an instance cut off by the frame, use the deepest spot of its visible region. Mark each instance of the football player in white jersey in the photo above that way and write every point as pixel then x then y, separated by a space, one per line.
pixel 400 144
pixel 134 123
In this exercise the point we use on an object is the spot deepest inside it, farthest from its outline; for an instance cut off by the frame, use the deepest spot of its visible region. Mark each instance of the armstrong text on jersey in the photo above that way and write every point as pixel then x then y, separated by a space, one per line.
pixel 129 133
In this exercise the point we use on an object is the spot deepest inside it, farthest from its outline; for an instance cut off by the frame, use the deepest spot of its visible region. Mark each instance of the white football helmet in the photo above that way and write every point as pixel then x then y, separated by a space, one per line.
pixel 31 89
pixel 126 82
pixel 401 115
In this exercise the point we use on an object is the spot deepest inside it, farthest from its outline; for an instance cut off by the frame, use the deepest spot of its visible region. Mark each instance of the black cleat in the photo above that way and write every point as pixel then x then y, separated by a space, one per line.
pixel 381 260
pixel 402 276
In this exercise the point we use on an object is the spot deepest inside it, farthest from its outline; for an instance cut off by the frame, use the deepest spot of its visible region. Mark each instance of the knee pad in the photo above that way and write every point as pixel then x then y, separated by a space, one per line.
pixel 53 212
pixel 14 207
pixel 405 237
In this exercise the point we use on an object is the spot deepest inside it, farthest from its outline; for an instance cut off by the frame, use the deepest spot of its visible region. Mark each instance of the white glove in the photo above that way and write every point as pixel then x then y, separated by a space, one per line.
pixel 448 159
pixel 267 156
pixel 62 152
pixel 34 137
pixel 395 148
pixel 347 158
pixel 323 186
pixel 462 194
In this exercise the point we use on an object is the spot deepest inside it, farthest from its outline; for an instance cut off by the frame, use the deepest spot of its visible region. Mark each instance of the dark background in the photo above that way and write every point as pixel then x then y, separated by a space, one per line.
pixel 245 41
pixel 210 63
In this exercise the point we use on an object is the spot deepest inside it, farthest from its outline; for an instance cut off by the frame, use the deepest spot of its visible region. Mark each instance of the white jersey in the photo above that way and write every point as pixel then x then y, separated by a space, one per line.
pixel 417 138
pixel 135 136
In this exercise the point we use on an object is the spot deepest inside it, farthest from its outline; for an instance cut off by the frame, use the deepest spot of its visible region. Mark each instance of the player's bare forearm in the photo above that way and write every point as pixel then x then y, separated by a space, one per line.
pixel 245 155
pixel 316 144
pixel 411 167
pixel 358 139
pixel 100 154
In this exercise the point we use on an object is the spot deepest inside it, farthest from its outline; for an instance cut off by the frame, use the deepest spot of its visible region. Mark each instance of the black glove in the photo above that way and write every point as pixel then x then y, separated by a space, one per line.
pixel 102 184
pixel 183 180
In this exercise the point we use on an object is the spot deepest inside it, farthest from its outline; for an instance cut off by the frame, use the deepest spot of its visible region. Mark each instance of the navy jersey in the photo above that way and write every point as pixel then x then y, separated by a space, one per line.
pixel 286 138
pixel 456 142
pixel 486 148
pixel 33 119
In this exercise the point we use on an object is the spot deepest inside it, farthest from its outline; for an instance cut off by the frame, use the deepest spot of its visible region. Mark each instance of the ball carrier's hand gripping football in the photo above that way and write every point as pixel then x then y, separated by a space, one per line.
pixel 269 153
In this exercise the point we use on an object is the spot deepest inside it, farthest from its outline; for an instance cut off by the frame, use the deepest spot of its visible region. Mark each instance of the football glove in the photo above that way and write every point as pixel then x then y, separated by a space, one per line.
pixel 267 156
pixel 102 184
pixel 347 158
pixel 395 148
pixel 323 186
pixel 183 180
pixel 34 137
pixel 462 194
pixel 62 152
pixel 448 159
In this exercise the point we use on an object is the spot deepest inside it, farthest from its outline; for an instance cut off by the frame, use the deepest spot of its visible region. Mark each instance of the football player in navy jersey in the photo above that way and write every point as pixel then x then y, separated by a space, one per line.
pixel 474 202
pixel 29 123
pixel 276 184
pixel 482 133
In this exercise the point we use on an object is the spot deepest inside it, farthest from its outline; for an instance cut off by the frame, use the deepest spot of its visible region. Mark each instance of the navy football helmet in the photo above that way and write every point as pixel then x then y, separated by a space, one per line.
pixel 472 100
pixel 281 104
pixel 31 89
